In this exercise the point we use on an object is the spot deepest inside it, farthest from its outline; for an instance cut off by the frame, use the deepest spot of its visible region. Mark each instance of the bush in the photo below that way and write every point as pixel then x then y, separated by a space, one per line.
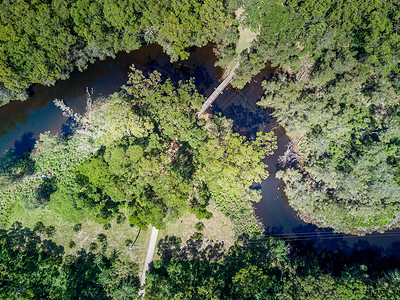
pixel 77 227
pixel 107 226
pixel 197 236
pixel 199 226
pixel 49 231
pixel 120 219
pixel 71 244
pixel 39 227
pixel 102 238
pixel 93 246
pixel 128 242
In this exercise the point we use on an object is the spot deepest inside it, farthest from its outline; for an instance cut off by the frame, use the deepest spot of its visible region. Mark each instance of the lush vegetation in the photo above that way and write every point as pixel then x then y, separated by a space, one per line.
pixel 141 154
pixel 35 268
pixel 156 160
pixel 43 41
pixel 258 269
pixel 337 58
pixel 336 92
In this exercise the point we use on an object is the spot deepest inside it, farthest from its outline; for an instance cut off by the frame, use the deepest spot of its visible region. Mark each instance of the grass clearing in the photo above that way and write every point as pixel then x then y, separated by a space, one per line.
pixel 247 36
pixel 64 234
pixel 217 229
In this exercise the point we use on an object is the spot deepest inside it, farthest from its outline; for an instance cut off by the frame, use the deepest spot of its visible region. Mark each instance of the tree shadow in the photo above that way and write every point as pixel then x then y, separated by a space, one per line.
pixel 24 238
pixel 25 144
pixel 86 275
pixel 245 121
pixel 16 162
pixel 170 247
pixel 69 127
pixel 45 189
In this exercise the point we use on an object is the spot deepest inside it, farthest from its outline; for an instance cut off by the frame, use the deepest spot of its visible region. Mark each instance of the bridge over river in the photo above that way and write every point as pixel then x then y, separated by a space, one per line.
pixel 217 91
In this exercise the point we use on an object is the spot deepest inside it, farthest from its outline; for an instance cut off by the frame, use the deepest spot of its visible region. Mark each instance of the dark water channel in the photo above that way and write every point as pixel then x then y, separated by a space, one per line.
pixel 21 123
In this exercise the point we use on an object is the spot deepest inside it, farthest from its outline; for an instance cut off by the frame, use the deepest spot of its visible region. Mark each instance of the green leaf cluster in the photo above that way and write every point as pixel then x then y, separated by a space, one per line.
pixel 33 268
pixel 261 269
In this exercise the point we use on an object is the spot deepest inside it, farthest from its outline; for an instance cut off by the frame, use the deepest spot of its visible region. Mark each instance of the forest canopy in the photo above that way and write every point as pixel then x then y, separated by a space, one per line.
pixel 44 41
pixel 337 58
pixel 260 269
pixel 142 154
pixel 336 93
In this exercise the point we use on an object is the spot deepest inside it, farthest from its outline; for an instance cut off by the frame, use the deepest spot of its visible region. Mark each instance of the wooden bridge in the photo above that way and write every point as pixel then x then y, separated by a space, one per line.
pixel 217 91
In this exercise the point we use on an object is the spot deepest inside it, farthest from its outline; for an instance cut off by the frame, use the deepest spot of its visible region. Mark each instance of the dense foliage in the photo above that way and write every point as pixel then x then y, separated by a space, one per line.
pixel 333 36
pixel 43 41
pixel 337 58
pixel 259 269
pixel 33 268
pixel 156 160
pixel 141 152
pixel 336 92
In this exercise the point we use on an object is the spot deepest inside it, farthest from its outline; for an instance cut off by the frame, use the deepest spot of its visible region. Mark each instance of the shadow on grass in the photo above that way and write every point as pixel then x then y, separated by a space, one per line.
pixel 40 264
pixel 27 240
pixel 171 247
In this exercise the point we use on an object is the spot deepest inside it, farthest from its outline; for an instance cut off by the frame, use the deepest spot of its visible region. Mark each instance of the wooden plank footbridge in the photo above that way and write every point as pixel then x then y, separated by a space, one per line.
pixel 217 91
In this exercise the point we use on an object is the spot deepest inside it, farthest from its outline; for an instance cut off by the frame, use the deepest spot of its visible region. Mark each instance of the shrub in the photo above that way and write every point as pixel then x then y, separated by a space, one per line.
pixel 199 226
pixel 128 242
pixel 107 226
pixel 93 246
pixel 120 219
pixel 102 238
pixel 77 227
pixel 71 244
pixel 197 236
pixel 39 227
pixel 49 231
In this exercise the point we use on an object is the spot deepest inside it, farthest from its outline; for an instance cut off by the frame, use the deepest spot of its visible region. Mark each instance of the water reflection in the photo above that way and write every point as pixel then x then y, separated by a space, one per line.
pixel 25 144
pixel 377 251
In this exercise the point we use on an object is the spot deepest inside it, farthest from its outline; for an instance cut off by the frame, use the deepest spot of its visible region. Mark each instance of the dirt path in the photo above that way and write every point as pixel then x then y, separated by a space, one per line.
pixel 149 257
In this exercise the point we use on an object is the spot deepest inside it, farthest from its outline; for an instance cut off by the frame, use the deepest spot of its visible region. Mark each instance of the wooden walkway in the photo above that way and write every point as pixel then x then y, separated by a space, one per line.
pixel 217 91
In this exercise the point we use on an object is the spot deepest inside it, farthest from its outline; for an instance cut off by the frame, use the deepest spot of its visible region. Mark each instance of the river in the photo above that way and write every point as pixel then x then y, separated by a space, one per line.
pixel 21 123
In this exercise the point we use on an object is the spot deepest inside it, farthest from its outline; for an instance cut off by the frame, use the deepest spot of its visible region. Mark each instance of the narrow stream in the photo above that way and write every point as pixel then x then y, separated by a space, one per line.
pixel 21 123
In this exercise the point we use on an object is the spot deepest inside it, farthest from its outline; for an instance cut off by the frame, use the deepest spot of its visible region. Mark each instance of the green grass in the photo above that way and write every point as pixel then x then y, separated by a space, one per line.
pixel 218 229
pixel 116 235
pixel 245 39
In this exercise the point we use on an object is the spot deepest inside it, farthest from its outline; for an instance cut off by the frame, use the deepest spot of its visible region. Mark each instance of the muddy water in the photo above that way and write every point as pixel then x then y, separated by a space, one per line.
pixel 21 123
